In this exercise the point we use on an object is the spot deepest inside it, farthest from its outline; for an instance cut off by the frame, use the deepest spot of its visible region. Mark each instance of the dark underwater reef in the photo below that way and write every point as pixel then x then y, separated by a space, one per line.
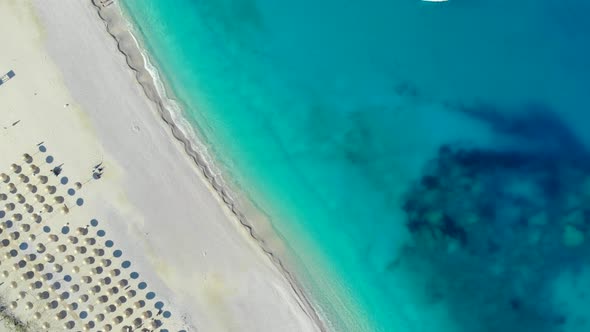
pixel 492 228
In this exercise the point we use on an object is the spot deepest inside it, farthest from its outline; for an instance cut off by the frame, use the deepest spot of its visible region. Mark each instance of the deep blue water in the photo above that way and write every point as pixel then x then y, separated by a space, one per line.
pixel 426 162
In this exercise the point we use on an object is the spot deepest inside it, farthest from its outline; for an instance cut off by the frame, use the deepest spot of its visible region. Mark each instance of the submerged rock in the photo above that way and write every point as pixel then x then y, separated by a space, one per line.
pixel 572 237
pixel 539 219
pixel 575 218
pixel 506 221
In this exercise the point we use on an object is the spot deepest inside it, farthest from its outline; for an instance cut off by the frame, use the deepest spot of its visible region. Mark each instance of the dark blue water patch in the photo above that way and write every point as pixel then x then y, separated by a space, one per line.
pixel 167 314
pixel 536 125
pixel 67 278
pixel 109 243
pixel 159 305
pixel 23 246
pixel 94 222
pixel 150 295
pixel 64 180
pixel 126 264
pixel 65 230
pixel 49 159
pixel 46 229
pixel 71 192
pixel 13 253
pixel 101 233
pixel 142 285
pixel 117 253
pixel 83 314
pixel 42 148
pixel 80 201
pixel 483 203
pixel 9 223
pixel 134 275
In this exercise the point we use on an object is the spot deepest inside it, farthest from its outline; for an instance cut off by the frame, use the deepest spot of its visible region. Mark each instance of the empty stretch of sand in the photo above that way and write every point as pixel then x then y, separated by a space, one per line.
pixel 146 241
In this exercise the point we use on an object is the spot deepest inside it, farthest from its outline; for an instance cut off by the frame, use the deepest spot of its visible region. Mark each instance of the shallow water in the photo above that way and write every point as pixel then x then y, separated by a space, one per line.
pixel 328 114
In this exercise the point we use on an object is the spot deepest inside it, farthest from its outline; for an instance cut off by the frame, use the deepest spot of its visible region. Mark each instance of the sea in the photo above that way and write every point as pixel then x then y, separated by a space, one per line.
pixel 425 163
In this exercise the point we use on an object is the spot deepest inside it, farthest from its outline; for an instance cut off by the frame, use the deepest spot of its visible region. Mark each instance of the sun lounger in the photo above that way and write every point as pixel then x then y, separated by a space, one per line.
pixel 6 77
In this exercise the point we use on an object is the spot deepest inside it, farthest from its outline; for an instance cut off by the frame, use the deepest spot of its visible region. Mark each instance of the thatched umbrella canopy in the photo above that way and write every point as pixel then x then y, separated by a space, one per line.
pixel 27 158
pixel 42 178
pixel 50 189
pixel 4 177
pixel 15 168
pixel 64 209
pixel 32 188
pixel 34 169
pixel 23 178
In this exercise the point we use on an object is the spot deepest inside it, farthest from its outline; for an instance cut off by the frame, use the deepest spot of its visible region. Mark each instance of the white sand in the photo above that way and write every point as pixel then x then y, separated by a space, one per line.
pixel 152 201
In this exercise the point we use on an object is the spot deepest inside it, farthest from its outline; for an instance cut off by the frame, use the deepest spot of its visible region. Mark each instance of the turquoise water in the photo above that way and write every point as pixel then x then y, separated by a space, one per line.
pixel 335 117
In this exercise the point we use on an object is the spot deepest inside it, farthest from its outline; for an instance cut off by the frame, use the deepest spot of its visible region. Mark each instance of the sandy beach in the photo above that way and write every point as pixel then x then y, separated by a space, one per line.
pixel 74 91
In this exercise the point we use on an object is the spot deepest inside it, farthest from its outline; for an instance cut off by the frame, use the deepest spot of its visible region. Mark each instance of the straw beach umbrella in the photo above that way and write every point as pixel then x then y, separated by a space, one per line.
pixel 42 179
pixel 4 177
pixel 23 178
pixel 39 198
pixel 20 198
pixel 27 158
pixel 32 188
pixel 64 209
pixel 82 231
pixel 50 189
pixel 34 169
pixel 40 248
pixel 28 208
pixel 15 168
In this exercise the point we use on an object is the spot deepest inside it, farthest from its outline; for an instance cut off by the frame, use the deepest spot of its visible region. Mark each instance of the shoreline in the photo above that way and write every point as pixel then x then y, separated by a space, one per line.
pixel 149 79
